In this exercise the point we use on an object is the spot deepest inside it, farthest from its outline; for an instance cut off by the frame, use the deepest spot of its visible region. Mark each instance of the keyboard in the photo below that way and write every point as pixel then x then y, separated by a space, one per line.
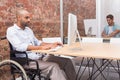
pixel 55 49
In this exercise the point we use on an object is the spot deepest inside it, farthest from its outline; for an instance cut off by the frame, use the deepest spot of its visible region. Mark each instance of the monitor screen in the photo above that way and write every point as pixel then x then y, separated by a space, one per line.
pixel 72 28
pixel 91 23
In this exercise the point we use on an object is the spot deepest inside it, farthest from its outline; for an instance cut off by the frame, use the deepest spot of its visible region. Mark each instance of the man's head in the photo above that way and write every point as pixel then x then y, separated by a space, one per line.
pixel 110 20
pixel 23 18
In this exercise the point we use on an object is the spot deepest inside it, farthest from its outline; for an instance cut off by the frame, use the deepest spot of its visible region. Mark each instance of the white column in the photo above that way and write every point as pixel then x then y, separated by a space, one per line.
pixel 61 19
pixel 98 17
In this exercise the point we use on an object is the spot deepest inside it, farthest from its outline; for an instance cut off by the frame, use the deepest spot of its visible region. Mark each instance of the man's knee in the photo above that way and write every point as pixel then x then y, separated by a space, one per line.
pixel 54 65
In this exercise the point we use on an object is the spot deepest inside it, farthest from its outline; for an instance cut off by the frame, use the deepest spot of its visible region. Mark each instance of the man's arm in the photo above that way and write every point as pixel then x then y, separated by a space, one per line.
pixel 110 35
pixel 104 34
pixel 44 46
pixel 114 33
pixel 31 47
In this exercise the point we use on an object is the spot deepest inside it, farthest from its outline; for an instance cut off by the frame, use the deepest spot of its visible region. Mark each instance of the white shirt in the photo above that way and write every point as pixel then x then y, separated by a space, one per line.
pixel 20 39
pixel 110 30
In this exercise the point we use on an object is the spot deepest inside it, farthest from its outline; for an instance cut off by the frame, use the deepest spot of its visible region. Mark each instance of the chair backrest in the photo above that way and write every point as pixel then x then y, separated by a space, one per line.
pixel 11 50
pixel 10 45
pixel 52 39
pixel 20 60
pixel 92 40
pixel 115 40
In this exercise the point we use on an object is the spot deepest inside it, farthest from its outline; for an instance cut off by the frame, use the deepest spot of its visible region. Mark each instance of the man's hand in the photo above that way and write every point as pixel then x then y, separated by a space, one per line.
pixel 56 44
pixel 47 46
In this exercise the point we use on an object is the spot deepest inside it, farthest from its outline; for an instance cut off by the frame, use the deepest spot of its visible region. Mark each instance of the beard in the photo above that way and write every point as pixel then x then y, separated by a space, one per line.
pixel 25 24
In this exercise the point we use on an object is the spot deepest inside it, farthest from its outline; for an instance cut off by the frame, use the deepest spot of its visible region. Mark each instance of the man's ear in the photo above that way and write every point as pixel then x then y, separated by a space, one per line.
pixel 18 17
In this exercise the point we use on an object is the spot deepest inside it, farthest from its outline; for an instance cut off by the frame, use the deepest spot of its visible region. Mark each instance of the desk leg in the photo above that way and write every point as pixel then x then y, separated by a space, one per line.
pixel 79 69
pixel 118 68
pixel 80 72
pixel 98 69
pixel 97 73
pixel 95 70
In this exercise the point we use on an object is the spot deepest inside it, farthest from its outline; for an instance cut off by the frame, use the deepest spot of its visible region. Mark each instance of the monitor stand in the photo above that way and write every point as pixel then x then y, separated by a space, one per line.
pixel 79 38
pixel 80 42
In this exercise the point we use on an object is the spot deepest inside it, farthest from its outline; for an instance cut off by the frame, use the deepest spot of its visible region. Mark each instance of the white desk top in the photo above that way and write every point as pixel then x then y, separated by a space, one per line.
pixel 95 50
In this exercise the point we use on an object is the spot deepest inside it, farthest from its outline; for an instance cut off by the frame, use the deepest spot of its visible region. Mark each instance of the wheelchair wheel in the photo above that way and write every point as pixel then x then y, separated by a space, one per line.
pixel 18 69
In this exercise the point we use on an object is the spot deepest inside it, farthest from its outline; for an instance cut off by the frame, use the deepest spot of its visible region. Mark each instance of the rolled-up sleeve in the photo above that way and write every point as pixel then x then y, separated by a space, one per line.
pixel 37 42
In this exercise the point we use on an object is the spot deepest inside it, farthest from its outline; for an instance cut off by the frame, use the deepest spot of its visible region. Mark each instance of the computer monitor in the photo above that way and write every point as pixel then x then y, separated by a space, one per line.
pixel 72 29
pixel 90 23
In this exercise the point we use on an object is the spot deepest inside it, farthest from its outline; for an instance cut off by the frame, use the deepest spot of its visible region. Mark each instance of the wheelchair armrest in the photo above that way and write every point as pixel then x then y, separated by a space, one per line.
pixel 24 58
pixel 13 54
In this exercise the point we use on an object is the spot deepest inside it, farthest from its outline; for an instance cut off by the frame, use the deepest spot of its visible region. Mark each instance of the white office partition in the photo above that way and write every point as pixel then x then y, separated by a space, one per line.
pixel 91 23
pixel 115 40
pixel 98 16
pixel 52 39
pixel 92 40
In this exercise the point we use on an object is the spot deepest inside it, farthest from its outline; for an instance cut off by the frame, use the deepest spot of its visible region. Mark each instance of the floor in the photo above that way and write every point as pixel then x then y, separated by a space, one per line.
pixel 111 76
pixel 5 74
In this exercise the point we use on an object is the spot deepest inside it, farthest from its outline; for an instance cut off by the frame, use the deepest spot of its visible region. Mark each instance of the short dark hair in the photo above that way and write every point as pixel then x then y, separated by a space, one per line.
pixel 110 16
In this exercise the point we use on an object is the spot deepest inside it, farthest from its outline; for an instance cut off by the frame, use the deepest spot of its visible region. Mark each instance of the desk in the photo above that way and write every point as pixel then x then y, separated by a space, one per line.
pixel 91 50
pixel 95 50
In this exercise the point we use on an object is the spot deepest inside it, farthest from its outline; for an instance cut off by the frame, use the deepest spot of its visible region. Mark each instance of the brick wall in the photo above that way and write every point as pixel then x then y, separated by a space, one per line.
pixel 46 14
